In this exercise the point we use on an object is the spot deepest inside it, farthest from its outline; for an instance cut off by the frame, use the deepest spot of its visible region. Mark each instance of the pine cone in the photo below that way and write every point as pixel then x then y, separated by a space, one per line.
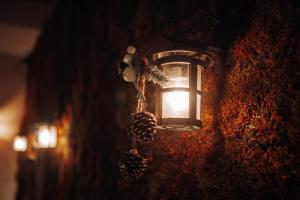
pixel 132 166
pixel 144 125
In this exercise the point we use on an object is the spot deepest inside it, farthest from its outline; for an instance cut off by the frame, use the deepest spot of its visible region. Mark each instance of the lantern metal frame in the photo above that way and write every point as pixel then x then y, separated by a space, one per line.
pixel 194 59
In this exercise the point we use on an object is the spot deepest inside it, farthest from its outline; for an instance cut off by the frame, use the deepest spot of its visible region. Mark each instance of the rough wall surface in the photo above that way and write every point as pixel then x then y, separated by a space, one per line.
pixel 248 146
pixel 261 126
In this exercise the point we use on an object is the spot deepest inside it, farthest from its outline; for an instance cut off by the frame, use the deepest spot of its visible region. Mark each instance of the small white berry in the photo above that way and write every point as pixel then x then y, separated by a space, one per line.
pixel 129 74
pixel 127 59
pixel 131 50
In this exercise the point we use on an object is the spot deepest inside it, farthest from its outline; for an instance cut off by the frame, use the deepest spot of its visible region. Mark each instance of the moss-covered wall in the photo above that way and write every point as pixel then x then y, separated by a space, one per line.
pixel 247 148
pixel 261 127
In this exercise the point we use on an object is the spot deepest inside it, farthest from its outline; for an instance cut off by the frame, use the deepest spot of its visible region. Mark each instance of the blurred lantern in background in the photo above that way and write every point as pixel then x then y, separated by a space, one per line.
pixel 20 143
pixel 45 135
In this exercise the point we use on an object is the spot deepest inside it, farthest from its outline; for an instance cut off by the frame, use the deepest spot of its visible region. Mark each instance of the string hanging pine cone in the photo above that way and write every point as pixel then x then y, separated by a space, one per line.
pixel 143 124
pixel 132 165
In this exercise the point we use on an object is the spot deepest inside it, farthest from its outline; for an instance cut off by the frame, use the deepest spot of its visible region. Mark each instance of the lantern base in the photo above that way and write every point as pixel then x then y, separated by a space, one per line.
pixel 179 124
pixel 179 127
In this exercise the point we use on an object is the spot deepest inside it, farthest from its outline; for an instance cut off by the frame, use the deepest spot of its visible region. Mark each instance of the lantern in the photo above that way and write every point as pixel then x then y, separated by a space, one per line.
pixel 179 101
pixel 45 135
pixel 20 143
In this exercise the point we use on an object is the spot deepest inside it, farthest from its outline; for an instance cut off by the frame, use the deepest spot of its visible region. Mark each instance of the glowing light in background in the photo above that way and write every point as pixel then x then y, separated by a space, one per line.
pixel 46 136
pixel 175 104
pixel 20 143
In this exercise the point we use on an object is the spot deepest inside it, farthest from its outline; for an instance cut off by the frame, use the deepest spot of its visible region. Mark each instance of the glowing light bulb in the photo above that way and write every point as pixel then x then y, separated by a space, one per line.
pixel 175 104
pixel 20 143
pixel 46 136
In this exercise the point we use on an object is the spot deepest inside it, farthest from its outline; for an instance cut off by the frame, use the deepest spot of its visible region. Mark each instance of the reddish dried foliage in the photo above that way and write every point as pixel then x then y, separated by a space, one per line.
pixel 260 108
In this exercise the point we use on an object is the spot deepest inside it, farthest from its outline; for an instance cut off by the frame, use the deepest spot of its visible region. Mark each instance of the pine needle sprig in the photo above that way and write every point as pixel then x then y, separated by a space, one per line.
pixel 156 75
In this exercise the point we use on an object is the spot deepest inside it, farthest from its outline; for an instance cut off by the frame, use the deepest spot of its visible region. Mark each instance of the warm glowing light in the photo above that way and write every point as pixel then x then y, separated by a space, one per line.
pixel 175 104
pixel 20 143
pixel 46 136
pixel 178 74
pixel 178 106
pixel 177 82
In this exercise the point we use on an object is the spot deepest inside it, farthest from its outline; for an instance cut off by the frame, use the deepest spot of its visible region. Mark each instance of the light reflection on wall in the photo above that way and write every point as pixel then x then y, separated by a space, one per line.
pixel 12 94
pixel 10 117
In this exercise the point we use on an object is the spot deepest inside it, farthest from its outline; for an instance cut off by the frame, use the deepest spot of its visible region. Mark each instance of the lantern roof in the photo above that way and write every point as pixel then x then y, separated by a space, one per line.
pixel 160 47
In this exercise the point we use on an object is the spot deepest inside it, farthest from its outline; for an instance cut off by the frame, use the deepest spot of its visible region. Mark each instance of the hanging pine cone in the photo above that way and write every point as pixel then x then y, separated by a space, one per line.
pixel 132 166
pixel 144 125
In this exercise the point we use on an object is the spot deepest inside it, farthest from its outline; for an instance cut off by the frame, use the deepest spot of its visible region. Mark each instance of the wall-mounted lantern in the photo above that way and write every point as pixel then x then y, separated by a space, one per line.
pixel 178 103
pixel 20 143
pixel 45 135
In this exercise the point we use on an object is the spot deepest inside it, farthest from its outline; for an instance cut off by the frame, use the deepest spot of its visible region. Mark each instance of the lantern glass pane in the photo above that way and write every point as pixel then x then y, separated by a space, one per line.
pixel 199 70
pixel 198 106
pixel 178 74
pixel 175 104
pixel 46 136
pixel 20 143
